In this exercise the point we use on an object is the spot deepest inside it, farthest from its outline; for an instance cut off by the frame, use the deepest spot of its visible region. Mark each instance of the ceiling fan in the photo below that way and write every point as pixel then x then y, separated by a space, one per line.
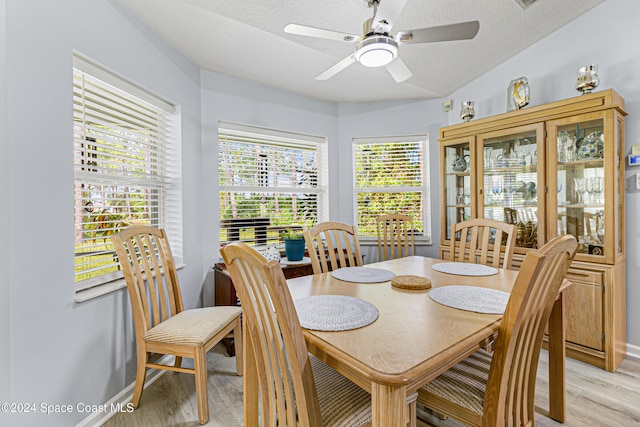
pixel 376 47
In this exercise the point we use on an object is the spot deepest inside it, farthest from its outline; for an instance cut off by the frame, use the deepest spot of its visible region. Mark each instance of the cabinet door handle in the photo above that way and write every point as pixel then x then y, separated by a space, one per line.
pixel 575 273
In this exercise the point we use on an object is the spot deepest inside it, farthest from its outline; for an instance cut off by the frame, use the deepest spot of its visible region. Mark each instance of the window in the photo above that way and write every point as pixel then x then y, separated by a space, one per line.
pixel 269 180
pixel 391 176
pixel 126 169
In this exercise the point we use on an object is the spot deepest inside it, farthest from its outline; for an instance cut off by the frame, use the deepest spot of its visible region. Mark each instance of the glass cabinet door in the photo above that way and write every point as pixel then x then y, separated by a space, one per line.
pixel 588 163
pixel 458 185
pixel 511 180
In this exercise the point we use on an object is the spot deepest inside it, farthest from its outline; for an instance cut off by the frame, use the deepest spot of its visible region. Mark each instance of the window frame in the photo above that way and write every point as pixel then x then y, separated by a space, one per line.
pixel 268 138
pixel 423 139
pixel 162 175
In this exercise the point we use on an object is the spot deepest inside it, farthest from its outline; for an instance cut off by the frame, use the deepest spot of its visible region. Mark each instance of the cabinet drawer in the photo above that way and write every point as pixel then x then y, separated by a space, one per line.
pixel 585 276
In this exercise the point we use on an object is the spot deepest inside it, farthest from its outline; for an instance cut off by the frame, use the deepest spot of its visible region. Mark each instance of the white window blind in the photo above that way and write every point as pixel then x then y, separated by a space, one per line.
pixel 127 170
pixel 391 176
pixel 269 180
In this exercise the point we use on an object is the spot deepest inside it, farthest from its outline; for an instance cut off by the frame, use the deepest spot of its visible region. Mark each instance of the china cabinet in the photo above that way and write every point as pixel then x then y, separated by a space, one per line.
pixel 552 169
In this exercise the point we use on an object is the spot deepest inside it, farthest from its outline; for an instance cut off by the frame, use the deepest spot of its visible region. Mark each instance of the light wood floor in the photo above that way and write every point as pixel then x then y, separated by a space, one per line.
pixel 594 397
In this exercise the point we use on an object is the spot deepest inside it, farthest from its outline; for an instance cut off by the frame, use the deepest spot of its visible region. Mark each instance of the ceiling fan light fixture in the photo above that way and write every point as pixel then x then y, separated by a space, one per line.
pixel 376 51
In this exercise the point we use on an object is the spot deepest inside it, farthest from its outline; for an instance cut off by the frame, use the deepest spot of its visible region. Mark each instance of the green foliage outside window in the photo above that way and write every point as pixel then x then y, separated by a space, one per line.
pixel 389 179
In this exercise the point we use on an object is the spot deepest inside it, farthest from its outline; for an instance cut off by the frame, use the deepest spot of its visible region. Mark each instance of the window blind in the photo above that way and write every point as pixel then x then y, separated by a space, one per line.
pixel 269 180
pixel 390 176
pixel 126 171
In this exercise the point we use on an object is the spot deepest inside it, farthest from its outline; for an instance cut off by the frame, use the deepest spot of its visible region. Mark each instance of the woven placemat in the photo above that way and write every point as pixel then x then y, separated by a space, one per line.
pixel 471 298
pixel 334 312
pixel 464 269
pixel 363 274
pixel 408 281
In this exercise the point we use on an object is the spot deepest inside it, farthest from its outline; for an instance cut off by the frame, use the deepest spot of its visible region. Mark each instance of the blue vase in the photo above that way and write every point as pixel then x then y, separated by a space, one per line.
pixel 294 249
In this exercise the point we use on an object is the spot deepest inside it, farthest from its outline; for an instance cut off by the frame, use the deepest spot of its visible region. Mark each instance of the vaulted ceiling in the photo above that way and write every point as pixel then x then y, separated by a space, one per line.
pixel 246 39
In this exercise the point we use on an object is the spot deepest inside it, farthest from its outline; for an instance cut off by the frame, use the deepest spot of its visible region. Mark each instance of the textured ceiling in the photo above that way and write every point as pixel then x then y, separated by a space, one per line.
pixel 245 39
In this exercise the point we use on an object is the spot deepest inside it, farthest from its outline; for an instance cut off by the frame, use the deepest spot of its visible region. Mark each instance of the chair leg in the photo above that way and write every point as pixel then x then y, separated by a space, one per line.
pixel 413 415
pixel 411 410
pixel 141 374
pixel 178 362
pixel 200 371
pixel 237 340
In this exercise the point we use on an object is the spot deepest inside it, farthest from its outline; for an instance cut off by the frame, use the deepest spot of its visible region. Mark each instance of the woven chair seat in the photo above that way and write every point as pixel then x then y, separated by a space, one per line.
pixel 465 383
pixel 342 402
pixel 193 327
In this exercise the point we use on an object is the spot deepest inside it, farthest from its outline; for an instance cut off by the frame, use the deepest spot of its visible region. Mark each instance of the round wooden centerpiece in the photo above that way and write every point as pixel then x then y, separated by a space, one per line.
pixel 408 281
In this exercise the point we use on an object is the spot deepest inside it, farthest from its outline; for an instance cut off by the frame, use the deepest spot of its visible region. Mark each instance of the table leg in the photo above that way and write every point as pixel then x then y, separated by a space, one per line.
pixel 557 353
pixel 388 405
pixel 250 382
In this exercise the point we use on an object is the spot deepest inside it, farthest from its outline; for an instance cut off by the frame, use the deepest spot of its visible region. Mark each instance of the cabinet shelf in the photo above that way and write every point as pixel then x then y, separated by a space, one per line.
pixel 511 170
pixel 585 162
pixel 582 206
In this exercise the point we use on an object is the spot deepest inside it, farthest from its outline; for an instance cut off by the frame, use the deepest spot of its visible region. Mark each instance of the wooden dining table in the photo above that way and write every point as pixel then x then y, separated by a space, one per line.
pixel 413 340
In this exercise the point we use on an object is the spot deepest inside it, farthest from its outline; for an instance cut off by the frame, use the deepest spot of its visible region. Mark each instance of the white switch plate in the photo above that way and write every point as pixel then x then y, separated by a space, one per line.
pixel 638 181
pixel 447 105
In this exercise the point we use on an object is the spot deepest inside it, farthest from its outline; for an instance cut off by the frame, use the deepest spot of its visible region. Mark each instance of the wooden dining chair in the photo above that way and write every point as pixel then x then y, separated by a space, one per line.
pixel 395 236
pixel 481 240
pixel 333 245
pixel 162 326
pixel 498 389
pixel 296 389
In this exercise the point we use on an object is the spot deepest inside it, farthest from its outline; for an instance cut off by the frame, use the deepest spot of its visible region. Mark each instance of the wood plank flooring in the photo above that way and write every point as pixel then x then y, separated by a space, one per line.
pixel 594 397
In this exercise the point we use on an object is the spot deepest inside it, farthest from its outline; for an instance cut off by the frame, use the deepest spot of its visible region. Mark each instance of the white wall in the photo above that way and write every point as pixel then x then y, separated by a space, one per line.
pixel 4 219
pixel 60 352
pixel 608 36
pixel 232 100
pixel 388 119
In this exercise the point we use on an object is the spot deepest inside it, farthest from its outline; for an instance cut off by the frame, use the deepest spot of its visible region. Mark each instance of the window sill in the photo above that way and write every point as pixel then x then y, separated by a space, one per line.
pixel 98 291
pixel 104 289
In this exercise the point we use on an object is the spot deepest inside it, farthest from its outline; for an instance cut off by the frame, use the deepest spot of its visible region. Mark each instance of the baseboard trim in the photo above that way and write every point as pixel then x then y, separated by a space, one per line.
pixel 121 399
pixel 633 351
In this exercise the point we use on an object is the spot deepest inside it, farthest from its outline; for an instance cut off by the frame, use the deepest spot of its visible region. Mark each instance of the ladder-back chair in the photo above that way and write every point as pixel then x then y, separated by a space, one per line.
pixel 162 326
pixel 395 236
pixel 497 389
pixel 480 241
pixel 296 389
pixel 333 245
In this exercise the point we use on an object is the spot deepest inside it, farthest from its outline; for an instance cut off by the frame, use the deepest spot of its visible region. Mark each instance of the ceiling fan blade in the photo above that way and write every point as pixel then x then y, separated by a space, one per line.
pixel 386 14
pixel 398 70
pixel 443 33
pixel 337 68
pixel 304 30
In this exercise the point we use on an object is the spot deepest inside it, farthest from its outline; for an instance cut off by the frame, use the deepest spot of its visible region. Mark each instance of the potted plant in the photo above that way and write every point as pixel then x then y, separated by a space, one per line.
pixel 293 244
